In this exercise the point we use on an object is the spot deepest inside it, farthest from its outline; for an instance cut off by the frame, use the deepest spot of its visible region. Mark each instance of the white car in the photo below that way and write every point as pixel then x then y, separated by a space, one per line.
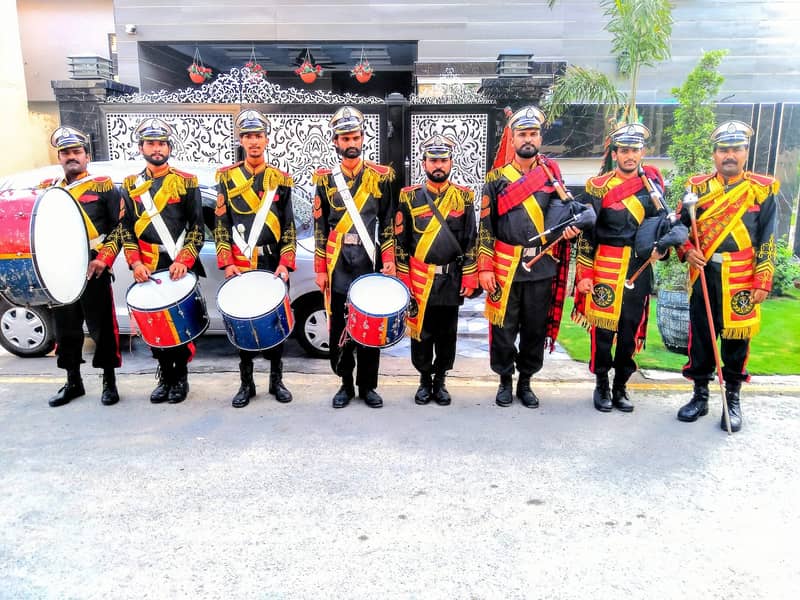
pixel 27 331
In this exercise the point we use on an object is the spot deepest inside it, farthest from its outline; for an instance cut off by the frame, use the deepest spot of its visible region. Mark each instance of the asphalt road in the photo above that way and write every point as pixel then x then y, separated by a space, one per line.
pixel 469 501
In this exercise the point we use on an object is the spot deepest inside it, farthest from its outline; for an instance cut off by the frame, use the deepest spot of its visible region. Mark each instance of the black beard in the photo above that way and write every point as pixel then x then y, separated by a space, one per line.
pixel 527 151
pixel 156 162
pixel 349 152
pixel 437 176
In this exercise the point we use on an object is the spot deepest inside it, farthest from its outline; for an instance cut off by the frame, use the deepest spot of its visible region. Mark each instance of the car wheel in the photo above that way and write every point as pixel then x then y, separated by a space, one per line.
pixel 311 325
pixel 26 331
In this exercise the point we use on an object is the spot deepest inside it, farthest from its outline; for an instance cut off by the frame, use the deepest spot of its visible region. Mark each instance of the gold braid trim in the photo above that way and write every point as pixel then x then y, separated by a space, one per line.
pixel 273 178
pixel 103 186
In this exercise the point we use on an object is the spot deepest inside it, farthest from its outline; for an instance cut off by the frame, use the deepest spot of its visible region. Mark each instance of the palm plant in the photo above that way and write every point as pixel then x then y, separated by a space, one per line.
pixel 641 31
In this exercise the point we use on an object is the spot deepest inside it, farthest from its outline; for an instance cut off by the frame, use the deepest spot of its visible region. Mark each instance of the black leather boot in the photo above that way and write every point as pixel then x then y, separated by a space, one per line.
pixel 734 406
pixel 602 393
pixel 440 394
pixel 425 389
pixel 70 390
pixel 276 387
pixel 525 393
pixel 619 397
pixel 164 378
pixel 346 393
pixel 504 391
pixel 247 388
pixel 110 394
pixel 371 397
pixel 180 388
pixel 697 406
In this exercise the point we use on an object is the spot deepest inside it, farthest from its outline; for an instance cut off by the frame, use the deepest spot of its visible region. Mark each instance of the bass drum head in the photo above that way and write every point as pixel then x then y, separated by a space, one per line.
pixel 251 294
pixel 160 291
pixel 379 295
pixel 59 245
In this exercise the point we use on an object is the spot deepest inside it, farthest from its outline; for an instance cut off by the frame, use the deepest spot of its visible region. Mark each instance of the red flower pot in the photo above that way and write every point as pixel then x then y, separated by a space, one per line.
pixel 363 77
pixel 197 77
pixel 309 77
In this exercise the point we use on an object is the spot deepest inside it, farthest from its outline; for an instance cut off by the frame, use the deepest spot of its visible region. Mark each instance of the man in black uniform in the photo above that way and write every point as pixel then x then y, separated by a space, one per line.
pixel 98 200
pixel 437 265
pixel 162 198
pixel 243 188
pixel 519 202
pixel 350 202
pixel 735 216
pixel 622 199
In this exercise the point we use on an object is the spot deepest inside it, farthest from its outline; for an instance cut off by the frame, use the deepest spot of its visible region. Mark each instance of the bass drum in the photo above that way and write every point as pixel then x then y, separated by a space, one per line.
pixel 44 247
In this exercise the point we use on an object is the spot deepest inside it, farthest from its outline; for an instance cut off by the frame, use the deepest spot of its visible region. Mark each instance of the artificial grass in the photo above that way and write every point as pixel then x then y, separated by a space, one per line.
pixel 774 351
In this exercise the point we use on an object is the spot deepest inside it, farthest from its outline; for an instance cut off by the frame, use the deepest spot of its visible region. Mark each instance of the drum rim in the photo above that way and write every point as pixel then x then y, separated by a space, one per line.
pixel 32 241
pixel 259 316
pixel 155 308
pixel 388 314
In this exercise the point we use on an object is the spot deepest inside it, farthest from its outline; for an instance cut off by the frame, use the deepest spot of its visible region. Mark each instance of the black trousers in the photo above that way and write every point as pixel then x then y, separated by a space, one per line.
pixel 439 329
pixel 701 352
pixel 526 315
pixel 273 354
pixel 96 307
pixel 631 315
pixel 343 360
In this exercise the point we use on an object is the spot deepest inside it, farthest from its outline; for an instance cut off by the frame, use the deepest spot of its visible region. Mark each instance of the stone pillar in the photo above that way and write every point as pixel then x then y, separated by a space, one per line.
pixel 79 106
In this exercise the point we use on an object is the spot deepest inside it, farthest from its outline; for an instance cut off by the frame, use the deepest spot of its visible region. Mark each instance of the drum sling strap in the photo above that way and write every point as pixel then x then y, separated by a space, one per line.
pixel 157 220
pixel 248 246
pixel 77 188
pixel 355 215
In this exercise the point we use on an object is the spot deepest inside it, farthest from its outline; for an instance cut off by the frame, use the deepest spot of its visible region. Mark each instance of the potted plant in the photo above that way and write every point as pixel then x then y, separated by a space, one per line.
pixel 362 71
pixel 690 150
pixel 308 72
pixel 198 73
pixel 256 69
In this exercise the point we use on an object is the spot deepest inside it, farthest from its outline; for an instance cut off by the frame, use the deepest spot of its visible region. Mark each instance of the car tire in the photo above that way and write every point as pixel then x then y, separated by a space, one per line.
pixel 311 325
pixel 26 331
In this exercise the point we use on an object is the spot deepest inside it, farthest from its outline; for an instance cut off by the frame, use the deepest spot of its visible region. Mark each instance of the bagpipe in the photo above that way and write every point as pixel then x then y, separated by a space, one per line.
pixel 656 235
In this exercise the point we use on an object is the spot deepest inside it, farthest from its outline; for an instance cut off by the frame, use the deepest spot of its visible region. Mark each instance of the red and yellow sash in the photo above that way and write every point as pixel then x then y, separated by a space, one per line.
pixel 420 276
pixel 741 319
pixel 506 261
pixel 602 308
pixel 78 191
pixel 520 191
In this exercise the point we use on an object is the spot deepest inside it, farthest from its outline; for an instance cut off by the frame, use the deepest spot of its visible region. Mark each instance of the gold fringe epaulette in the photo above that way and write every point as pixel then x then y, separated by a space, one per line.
pixel 386 173
pixel 130 182
pixel 493 175
pixel 765 185
pixel 222 174
pixel 102 183
pixel 699 183
pixel 189 179
pixel 598 186
pixel 320 176
pixel 46 184
pixel 274 177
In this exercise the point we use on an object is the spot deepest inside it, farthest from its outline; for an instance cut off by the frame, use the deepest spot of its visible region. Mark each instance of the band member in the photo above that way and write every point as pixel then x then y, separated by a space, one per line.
pixel 351 202
pixel 735 217
pixel 520 202
pixel 161 227
pixel 607 258
pixel 436 231
pixel 98 200
pixel 255 230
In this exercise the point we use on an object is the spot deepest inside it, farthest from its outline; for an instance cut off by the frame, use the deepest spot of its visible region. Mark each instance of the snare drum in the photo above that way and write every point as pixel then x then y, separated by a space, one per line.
pixel 376 310
pixel 256 310
pixel 168 313
pixel 44 247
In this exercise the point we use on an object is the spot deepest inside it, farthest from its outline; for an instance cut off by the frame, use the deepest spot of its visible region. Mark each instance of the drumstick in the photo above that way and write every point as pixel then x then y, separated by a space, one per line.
pixel 151 278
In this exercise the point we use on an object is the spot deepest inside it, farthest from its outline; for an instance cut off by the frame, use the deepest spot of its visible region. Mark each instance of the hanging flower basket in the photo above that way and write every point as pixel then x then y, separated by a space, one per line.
pixel 362 71
pixel 256 69
pixel 308 72
pixel 199 73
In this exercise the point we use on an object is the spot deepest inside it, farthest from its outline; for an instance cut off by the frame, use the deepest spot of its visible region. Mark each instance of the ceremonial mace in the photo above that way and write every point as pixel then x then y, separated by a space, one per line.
pixel 690 202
